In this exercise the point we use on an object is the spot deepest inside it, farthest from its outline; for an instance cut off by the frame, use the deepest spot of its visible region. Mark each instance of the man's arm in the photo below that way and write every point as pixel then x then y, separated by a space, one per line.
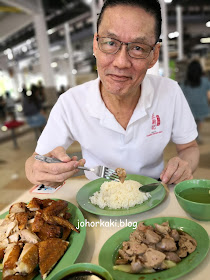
pixel 52 174
pixel 182 166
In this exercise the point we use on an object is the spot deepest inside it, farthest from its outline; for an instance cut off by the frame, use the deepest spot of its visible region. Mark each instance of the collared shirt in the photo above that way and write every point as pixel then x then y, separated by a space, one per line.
pixel 161 114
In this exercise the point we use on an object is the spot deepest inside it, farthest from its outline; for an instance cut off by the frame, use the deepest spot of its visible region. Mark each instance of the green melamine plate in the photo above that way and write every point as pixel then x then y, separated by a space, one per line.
pixel 109 250
pixel 89 189
pixel 76 241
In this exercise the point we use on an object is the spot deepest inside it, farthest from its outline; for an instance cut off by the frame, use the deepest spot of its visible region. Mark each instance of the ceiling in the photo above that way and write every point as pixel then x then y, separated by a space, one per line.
pixel 57 12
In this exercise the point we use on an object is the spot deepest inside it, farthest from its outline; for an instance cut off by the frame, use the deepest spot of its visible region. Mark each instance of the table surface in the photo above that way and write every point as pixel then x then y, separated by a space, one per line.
pixel 97 236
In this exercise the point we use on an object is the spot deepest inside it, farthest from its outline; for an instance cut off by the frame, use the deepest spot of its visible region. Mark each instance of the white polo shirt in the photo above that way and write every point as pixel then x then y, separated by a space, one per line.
pixel 162 114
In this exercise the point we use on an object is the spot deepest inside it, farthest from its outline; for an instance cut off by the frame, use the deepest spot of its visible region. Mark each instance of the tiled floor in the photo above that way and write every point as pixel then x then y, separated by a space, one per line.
pixel 13 181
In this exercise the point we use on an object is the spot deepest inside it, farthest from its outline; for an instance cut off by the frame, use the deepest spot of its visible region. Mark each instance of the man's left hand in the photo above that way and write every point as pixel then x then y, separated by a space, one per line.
pixel 176 170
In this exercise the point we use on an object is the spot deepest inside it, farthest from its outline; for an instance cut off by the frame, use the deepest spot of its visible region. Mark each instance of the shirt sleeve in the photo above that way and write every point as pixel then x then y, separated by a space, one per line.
pixel 184 127
pixel 56 132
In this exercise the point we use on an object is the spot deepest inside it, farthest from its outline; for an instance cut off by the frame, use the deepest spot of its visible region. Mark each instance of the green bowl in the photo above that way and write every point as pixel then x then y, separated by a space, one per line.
pixel 197 210
pixel 83 267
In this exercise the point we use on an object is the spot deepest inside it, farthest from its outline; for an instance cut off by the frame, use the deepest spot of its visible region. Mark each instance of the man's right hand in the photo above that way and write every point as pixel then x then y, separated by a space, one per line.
pixel 52 174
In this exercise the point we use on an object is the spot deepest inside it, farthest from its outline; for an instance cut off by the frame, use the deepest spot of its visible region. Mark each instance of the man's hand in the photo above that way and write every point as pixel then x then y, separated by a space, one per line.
pixel 181 167
pixel 52 174
pixel 176 170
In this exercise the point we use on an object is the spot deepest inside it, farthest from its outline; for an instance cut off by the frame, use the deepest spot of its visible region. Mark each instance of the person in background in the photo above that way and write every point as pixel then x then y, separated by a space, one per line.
pixel 196 88
pixel 2 108
pixel 62 90
pixel 126 117
pixel 32 109
pixel 41 95
pixel 10 106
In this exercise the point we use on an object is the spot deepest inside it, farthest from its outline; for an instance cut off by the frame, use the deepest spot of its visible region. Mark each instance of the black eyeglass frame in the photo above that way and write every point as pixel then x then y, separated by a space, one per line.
pixel 127 44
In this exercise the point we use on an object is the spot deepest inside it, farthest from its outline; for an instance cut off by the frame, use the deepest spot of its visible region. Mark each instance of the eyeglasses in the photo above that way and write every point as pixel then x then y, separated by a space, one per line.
pixel 135 50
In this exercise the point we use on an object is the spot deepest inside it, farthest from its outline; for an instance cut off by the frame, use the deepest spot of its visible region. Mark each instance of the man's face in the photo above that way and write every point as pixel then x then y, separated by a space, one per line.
pixel 120 74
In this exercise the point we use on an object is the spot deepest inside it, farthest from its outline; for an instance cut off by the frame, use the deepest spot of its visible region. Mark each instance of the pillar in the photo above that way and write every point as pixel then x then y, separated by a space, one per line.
pixel 45 57
pixel 94 15
pixel 165 39
pixel 71 76
pixel 180 30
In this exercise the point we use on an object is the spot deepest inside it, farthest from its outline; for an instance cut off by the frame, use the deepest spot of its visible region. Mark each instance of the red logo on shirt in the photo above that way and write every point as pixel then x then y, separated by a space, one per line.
pixel 155 121
pixel 155 124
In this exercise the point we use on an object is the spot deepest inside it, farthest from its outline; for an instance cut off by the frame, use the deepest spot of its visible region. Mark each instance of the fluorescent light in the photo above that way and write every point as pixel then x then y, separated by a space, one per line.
pixel 66 55
pixel 28 92
pixel 4 128
pixel 168 1
pixel 51 31
pixel 174 34
pixel 88 1
pixel 9 54
pixel 24 49
pixel 208 24
pixel 54 64
pixel 205 40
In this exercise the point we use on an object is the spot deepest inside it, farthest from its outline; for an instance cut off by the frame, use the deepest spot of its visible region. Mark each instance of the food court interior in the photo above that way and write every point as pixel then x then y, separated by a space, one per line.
pixel 48 43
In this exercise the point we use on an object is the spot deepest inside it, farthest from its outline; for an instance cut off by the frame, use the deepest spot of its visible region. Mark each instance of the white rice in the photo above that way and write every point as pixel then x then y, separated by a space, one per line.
pixel 116 195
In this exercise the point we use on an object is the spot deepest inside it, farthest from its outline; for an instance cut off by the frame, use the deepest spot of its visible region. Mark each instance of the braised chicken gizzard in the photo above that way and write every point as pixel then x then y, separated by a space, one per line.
pixel 34 235
pixel 150 249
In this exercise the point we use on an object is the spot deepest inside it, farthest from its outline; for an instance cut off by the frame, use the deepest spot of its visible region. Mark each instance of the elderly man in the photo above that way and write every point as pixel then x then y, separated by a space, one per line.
pixel 126 117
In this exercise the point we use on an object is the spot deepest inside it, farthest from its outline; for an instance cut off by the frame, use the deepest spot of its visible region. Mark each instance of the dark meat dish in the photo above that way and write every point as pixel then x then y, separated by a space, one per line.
pixel 150 249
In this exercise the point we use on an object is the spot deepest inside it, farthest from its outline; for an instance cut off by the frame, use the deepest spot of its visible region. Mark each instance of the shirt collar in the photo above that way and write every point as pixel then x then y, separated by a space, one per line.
pixel 96 107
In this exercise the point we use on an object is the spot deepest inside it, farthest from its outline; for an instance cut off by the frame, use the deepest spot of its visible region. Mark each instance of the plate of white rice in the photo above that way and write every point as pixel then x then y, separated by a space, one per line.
pixel 116 195
pixel 109 198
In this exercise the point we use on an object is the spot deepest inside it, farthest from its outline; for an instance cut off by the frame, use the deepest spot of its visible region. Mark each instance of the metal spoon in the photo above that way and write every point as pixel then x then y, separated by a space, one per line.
pixel 151 187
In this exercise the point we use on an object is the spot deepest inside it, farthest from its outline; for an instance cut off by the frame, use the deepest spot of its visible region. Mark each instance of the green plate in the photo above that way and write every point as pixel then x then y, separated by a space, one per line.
pixel 89 189
pixel 76 241
pixel 109 250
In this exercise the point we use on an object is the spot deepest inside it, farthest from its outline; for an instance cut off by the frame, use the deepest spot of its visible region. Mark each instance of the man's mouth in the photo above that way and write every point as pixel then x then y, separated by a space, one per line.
pixel 119 78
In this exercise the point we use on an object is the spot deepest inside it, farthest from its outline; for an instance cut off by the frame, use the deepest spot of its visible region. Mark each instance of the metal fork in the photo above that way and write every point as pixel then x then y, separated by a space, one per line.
pixel 100 171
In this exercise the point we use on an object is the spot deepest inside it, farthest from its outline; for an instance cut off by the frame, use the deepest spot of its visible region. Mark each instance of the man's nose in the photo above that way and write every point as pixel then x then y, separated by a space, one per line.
pixel 122 58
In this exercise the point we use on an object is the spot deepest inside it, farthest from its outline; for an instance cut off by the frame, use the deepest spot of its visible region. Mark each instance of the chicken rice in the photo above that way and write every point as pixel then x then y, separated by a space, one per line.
pixel 117 195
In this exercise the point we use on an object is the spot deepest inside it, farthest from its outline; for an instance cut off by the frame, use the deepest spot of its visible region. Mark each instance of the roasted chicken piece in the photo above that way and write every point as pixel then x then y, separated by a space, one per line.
pixel 3 245
pixel 28 237
pixel 38 222
pixel 49 231
pixel 8 227
pixel 22 219
pixel 50 251
pixel 12 253
pixel 53 215
pixel 55 220
pixel 56 207
pixel 39 230
pixel 43 229
pixel 36 204
pixel 121 174
pixel 18 207
pixel 21 277
pixel 1 253
pixel 28 259
pixel 66 233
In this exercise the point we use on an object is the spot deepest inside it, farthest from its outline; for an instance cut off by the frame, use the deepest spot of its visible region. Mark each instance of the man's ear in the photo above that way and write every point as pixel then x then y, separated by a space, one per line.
pixel 95 45
pixel 156 53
